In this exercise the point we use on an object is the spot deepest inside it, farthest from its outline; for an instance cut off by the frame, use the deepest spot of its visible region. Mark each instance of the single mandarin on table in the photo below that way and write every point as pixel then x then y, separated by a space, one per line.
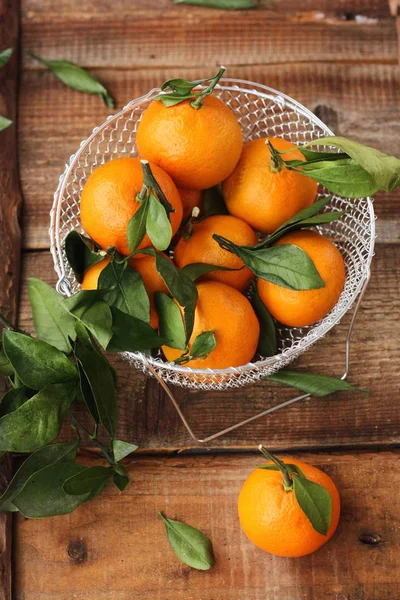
pixel 299 308
pixel 197 147
pixel 202 248
pixel 108 201
pixel 271 517
pixel 262 195
pixel 224 310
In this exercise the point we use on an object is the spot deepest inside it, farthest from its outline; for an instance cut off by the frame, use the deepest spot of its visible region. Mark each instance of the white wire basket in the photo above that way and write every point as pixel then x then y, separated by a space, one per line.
pixel 261 111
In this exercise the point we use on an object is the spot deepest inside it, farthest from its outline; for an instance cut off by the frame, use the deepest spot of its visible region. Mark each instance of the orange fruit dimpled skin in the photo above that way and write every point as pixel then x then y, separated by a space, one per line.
pixel 271 517
pixel 229 314
pixel 202 248
pixel 263 198
pixel 198 148
pixel 305 307
pixel 108 201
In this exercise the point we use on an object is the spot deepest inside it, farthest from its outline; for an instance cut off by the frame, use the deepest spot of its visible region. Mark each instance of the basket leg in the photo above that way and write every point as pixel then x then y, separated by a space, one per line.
pixel 272 409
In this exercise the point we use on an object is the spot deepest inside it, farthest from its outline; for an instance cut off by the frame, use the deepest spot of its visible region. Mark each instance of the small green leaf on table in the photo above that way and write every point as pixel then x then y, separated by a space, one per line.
pixel 5 57
pixel 43 494
pixel 82 253
pixel 38 420
pixel 122 449
pixel 37 363
pixel 126 290
pixel 90 480
pixel 190 545
pixel 55 453
pixel 4 123
pixel 267 343
pixel 314 384
pixel 77 78
pixel 53 323
pixel 170 321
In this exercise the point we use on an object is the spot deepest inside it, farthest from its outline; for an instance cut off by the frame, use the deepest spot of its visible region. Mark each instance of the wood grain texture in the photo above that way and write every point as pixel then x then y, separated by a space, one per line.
pixel 10 236
pixel 149 419
pixel 359 101
pixel 115 548
pixel 164 34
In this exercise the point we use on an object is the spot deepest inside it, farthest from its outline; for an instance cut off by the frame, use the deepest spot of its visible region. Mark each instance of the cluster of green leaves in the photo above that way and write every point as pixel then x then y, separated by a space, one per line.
pixel 4 58
pixel 314 500
pixel 182 89
pixel 354 172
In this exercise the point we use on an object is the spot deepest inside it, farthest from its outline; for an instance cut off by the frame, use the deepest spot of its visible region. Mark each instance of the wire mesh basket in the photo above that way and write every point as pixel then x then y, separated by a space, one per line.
pixel 261 111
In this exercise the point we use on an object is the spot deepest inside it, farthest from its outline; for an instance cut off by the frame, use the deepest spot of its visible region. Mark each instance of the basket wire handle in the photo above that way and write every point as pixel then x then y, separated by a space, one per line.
pixel 272 409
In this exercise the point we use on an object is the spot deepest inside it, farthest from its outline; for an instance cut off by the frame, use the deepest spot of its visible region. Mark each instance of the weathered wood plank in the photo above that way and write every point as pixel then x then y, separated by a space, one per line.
pixel 360 101
pixel 108 548
pixel 164 34
pixel 148 418
pixel 10 237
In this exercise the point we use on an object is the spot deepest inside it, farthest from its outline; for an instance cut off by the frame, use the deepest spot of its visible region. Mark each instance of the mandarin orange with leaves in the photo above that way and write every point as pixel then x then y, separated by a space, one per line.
pixel 193 136
pixel 262 191
pixel 288 507
pixel 299 308
pixel 198 246
pixel 109 200
pixel 226 312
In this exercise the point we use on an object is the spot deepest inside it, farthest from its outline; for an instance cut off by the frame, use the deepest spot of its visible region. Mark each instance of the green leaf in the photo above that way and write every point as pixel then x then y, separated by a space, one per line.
pixel 213 202
pixel 223 4
pixel 196 270
pixel 131 334
pixel 316 503
pixel 5 57
pixel 312 383
pixel 181 86
pixel 158 225
pixel 203 345
pixel 267 344
pixel 75 77
pixel 173 98
pixel 179 285
pixel 344 177
pixel 120 477
pixel 126 290
pixel 43 494
pixel 37 363
pixel 122 449
pixel 383 169
pixel 100 378
pixel 38 421
pixel 4 123
pixel 137 226
pixel 190 545
pixel 53 323
pixel 286 265
pixel 90 480
pixel 170 322
pixel 12 400
pixel 55 453
pixel 273 467
pixel 86 393
pixel 88 307
pixel 6 368
pixel 82 253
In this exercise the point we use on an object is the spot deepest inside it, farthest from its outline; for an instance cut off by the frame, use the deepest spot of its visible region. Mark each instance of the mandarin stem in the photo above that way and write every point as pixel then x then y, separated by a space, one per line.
pixel 198 103
pixel 276 161
pixel 287 482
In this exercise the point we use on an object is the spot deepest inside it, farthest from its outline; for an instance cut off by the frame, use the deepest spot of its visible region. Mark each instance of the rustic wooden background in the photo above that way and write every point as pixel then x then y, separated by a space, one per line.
pixel 340 59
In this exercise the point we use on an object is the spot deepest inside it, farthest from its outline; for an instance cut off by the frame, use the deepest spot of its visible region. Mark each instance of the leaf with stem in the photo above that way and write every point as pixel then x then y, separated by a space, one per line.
pixel 90 480
pixel 267 343
pixel 130 334
pixel 77 78
pixel 313 383
pixel 4 123
pixel 170 321
pixel 122 449
pixel 202 346
pixel 182 90
pixel 126 290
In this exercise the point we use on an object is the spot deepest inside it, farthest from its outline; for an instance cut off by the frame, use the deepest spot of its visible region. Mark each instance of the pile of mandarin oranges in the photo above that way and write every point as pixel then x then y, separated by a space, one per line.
pixel 193 143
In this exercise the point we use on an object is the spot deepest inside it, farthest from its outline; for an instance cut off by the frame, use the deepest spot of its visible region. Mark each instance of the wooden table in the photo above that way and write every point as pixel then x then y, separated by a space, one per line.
pixel 339 58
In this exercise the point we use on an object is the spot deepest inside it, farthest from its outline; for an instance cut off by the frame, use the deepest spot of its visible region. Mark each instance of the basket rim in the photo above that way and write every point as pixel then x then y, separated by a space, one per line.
pixel 233 85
